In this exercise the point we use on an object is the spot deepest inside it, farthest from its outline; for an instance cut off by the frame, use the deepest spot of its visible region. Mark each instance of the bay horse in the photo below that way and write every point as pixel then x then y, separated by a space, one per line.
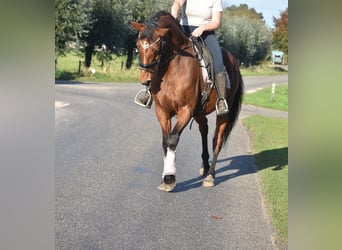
pixel 168 63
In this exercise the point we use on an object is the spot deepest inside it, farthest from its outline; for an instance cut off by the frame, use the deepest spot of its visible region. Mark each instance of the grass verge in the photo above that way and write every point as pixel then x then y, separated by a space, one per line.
pixel 269 142
pixel 263 98
pixel 69 68
pixel 265 68
pixel 269 138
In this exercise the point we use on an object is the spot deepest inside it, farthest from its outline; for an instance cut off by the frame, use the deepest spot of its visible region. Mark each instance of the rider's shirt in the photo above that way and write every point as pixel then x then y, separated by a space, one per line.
pixel 198 12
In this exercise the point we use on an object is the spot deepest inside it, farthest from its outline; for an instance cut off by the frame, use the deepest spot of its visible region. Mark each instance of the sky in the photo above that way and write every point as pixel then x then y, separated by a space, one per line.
pixel 268 8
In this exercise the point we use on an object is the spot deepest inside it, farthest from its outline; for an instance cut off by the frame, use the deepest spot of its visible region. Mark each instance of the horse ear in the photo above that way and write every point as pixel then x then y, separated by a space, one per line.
pixel 162 31
pixel 137 26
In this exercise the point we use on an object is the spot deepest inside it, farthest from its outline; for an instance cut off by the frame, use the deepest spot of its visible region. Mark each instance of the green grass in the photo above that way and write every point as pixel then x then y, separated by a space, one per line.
pixel 68 69
pixel 263 98
pixel 269 139
pixel 270 148
pixel 265 69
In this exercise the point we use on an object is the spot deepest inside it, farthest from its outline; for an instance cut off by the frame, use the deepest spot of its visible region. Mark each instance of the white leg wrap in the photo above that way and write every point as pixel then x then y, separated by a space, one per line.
pixel 169 163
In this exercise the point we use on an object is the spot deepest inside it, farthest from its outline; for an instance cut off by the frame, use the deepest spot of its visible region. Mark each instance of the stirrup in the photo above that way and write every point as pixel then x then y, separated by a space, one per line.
pixel 226 110
pixel 149 101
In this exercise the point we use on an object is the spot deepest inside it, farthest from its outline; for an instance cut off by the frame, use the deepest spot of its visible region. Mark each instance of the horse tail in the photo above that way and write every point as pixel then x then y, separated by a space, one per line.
pixel 236 79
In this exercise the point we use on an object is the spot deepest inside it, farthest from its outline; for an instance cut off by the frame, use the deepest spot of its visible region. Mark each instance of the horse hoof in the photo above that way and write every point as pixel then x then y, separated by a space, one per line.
pixel 208 181
pixel 168 184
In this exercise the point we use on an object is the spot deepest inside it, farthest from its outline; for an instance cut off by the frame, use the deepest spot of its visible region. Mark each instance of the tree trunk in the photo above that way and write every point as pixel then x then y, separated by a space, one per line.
pixel 88 54
pixel 130 51
pixel 129 58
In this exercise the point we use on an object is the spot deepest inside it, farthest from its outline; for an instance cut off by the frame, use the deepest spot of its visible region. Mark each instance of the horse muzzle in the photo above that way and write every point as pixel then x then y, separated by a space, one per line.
pixel 145 77
pixel 146 83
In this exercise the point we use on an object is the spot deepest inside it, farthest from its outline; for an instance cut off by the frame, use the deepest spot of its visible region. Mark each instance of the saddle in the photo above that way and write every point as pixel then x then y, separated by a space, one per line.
pixel 205 58
pixel 203 54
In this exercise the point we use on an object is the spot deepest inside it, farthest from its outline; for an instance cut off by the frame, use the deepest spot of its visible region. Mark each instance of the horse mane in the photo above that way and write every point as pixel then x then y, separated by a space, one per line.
pixel 149 30
pixel 162 13
pixel 164 19
pixel 155 17
pixel 153 22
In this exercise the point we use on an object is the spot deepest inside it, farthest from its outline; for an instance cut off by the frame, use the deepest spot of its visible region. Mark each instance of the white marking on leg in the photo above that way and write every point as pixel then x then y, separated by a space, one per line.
pixel 169 163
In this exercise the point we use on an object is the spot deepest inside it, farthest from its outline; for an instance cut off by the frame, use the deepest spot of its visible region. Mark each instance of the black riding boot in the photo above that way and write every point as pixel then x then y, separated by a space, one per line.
pixel 144 98
pixel 221 79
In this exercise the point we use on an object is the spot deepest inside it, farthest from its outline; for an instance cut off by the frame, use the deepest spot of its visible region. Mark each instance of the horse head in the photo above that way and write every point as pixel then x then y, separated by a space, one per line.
pixel 149 44
pixel 160 35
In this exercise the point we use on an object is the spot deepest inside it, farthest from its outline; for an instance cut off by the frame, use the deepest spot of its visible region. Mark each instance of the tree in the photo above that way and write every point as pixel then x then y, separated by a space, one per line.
pixel 137 11
pixel 244 11
pixel 69 22
pixel 280 33
pixel 91 24
pixel 244 33
pixel 109 25
pixel 140 11
pixel 103 28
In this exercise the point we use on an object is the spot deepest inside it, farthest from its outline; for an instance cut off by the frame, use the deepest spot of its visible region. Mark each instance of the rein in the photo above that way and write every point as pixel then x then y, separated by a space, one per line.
pixel 148 66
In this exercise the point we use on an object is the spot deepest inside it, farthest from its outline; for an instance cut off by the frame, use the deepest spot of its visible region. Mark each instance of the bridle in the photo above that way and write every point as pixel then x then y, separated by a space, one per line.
pixel 148 67
pixel 145 45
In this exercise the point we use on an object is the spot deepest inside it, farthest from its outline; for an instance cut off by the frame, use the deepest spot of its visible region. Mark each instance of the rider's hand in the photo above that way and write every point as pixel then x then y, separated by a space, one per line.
pixel 197 32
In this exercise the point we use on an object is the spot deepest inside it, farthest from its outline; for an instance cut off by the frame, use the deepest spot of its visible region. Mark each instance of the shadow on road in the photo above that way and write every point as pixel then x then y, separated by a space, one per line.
pixel 240 165
pixel 68 82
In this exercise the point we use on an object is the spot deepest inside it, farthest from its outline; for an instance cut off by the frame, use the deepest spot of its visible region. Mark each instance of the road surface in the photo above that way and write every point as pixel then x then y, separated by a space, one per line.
pixel 109 164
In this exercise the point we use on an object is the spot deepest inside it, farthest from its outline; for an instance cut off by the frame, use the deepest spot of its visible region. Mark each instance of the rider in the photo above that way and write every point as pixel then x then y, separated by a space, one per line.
pixel 201 18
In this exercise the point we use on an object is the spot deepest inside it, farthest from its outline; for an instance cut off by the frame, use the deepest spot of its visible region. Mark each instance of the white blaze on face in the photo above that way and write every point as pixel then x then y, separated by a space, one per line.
pixel 170 163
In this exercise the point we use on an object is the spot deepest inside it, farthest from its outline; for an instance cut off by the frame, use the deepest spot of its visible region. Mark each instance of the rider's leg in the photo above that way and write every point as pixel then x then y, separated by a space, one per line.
pixel 221 78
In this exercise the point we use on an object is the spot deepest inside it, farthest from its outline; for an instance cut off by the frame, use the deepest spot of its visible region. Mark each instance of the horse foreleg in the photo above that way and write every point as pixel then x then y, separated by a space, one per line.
pixel 203 128
pixel 209 180
pixel 168 177
pixel 169 171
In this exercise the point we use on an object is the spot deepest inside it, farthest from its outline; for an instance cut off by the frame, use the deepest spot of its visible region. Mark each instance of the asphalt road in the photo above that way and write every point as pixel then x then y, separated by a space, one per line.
pixel 109 164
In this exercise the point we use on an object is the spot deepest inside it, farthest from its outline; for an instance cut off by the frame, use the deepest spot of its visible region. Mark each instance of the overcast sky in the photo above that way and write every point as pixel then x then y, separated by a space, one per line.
pixel 268 8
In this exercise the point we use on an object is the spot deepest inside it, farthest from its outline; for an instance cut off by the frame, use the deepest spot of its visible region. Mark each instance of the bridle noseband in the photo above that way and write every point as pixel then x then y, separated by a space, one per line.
pixel 145 45
pixel 148 66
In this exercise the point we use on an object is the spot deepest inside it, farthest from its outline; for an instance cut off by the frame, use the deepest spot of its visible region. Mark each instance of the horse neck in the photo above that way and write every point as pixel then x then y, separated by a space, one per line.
pixel 177 36
pixel 179 40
